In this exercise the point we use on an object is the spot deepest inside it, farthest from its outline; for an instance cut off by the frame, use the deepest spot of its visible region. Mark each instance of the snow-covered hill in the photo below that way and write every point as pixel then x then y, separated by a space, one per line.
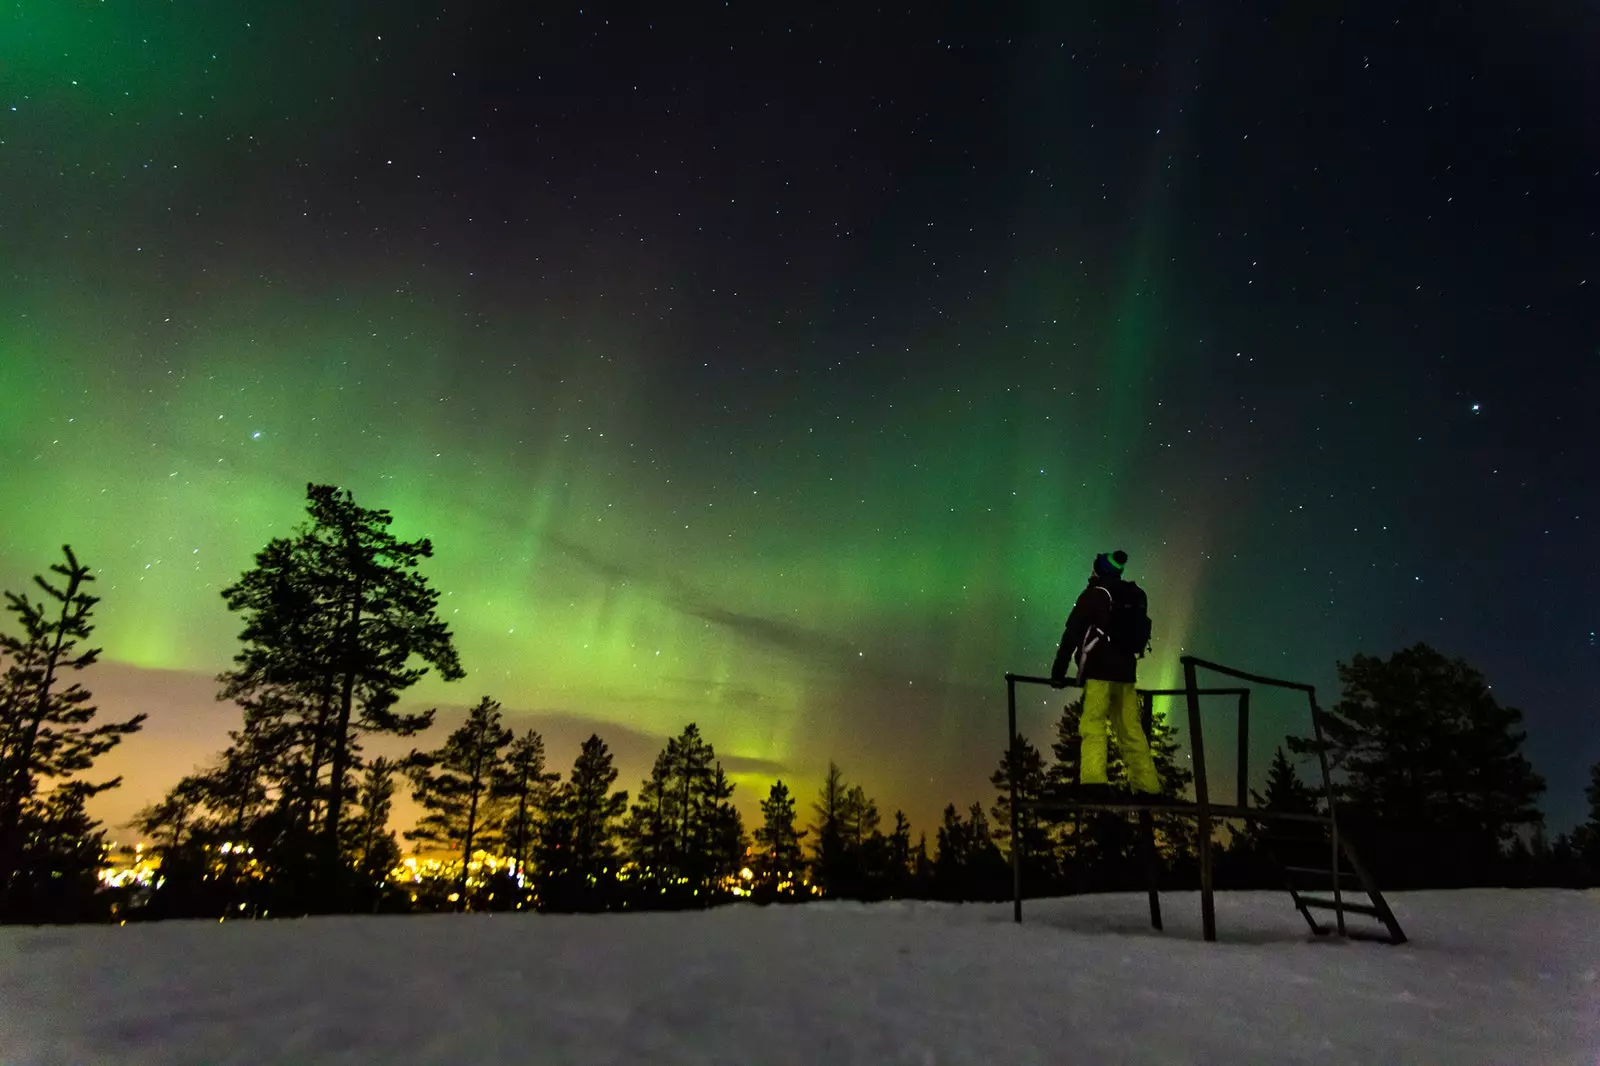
pixel 1490 977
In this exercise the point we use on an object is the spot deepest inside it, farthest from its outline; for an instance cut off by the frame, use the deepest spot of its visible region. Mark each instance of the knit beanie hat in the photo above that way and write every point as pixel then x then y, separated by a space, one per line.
pixel 1110 565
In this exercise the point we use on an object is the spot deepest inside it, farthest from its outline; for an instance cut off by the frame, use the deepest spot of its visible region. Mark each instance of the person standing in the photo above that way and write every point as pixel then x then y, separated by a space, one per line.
pixel 1106 635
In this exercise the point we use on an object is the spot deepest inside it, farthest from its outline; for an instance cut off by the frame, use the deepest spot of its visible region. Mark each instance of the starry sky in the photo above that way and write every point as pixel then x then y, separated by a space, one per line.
pixel 784 371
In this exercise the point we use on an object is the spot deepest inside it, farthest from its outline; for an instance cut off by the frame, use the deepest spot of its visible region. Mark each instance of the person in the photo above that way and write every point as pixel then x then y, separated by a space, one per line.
pixel 1106 634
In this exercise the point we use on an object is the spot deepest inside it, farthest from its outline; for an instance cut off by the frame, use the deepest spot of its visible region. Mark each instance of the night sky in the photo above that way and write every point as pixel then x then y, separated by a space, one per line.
pixel 784 372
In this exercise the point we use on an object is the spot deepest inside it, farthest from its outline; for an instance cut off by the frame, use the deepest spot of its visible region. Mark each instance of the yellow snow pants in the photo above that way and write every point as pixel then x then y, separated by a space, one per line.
pixel 1118 702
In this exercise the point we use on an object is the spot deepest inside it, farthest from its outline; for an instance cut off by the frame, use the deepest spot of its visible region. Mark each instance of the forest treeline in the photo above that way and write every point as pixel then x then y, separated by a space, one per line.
pixel 337 621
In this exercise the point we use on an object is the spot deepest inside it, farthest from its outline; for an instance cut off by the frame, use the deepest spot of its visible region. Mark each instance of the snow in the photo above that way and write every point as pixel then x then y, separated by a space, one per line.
pixel 1490 976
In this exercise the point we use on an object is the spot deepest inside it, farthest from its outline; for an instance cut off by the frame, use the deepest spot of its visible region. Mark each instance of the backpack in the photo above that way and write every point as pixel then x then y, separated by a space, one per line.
pixel 1129 628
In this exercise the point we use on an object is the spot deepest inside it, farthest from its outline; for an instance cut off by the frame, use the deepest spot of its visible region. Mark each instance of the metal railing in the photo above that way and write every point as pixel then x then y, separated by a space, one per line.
pixel 1202 809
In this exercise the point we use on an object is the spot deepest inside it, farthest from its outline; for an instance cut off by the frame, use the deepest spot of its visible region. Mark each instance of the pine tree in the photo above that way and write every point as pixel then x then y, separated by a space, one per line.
pixel 922 870
pixel 953 859
pixel 649 829
pixel 1285 791
pixel 858 819
pixel 1033 781
pixel 828 849
pixel 987 865
pixel 1247 861
pixel 580 837
pixel 524 787
pixel 690 760
pixel 1585 843
pixel 899 857
pixel 726 845
pixel 60 858
pixel 44 726
pixel 334 618
pixel 452 784
pixel 780 858
pixel 671 831
pixel 1431 768
pixel 374 845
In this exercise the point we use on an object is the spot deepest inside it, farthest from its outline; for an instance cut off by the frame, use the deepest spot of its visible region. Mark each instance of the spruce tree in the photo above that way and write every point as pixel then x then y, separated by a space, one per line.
pixel 579 842
pixel 336 619
pixel 45 733
pixel 899 857
pixel 1033 781
pixel 452 784
pixel 952 860
pixel 778 842
pixel 725 846
pixel 374 846
pixel 828 834
pixel 922 875
pixel 1285 792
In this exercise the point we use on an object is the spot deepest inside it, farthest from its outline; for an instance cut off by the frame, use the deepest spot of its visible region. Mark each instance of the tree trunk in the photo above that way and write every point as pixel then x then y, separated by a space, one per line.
pixel 472 822
pixel 340 751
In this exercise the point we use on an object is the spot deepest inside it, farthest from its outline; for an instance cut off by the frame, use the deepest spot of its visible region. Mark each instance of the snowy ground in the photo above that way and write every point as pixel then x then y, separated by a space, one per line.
pixel 1490 977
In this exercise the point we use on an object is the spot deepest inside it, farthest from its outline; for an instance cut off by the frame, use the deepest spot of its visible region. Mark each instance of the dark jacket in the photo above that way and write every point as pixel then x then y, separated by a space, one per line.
pixel 1085 643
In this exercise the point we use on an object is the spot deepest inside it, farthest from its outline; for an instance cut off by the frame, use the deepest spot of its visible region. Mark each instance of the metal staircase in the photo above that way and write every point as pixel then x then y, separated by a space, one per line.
pixel 1319 866
pixel 1321 880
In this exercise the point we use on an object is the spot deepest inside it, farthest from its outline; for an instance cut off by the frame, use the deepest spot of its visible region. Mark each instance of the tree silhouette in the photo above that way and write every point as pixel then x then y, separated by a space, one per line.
pixel 1285 791
pixel 578 846
pixel 1431 771
pixel 334 619
pixel 524 787
pixel 45 733
pixel 898 854
pixel 828 834
pixel 1033 782
pixel 374 846
pixel 676 831
pixel 778 842
pixel 952 861
pixel 726 844
pixel 1585 844
pixel 452 784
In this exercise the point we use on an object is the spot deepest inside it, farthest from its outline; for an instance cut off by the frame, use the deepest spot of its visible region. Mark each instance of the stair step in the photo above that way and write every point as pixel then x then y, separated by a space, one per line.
pixel 1330 905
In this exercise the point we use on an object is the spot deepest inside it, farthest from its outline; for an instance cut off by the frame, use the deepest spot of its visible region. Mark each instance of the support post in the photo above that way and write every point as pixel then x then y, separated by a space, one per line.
pixel 1011 764
pixel 1147 844
pixel 1208 910
pixel 1333 815
pixel 1244 749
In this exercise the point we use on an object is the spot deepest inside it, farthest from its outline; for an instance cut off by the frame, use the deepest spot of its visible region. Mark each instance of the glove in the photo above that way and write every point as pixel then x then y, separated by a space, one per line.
pixel 1058 681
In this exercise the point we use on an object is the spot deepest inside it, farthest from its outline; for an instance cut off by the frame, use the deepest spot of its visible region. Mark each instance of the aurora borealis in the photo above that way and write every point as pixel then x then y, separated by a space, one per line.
pixel 784 372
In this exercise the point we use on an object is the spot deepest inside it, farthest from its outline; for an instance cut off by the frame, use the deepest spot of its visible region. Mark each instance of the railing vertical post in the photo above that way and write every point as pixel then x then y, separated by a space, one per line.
pixel 1012 759
pixel 1333 816
pixel 1244 748
pixel 1208 909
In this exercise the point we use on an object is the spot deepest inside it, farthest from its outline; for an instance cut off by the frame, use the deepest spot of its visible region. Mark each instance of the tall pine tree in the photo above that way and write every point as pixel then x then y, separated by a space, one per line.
pixel 578 845
pixel 452 784
pixel 828 833
pixel 524 787
pixel 337 619
pixel 45 736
